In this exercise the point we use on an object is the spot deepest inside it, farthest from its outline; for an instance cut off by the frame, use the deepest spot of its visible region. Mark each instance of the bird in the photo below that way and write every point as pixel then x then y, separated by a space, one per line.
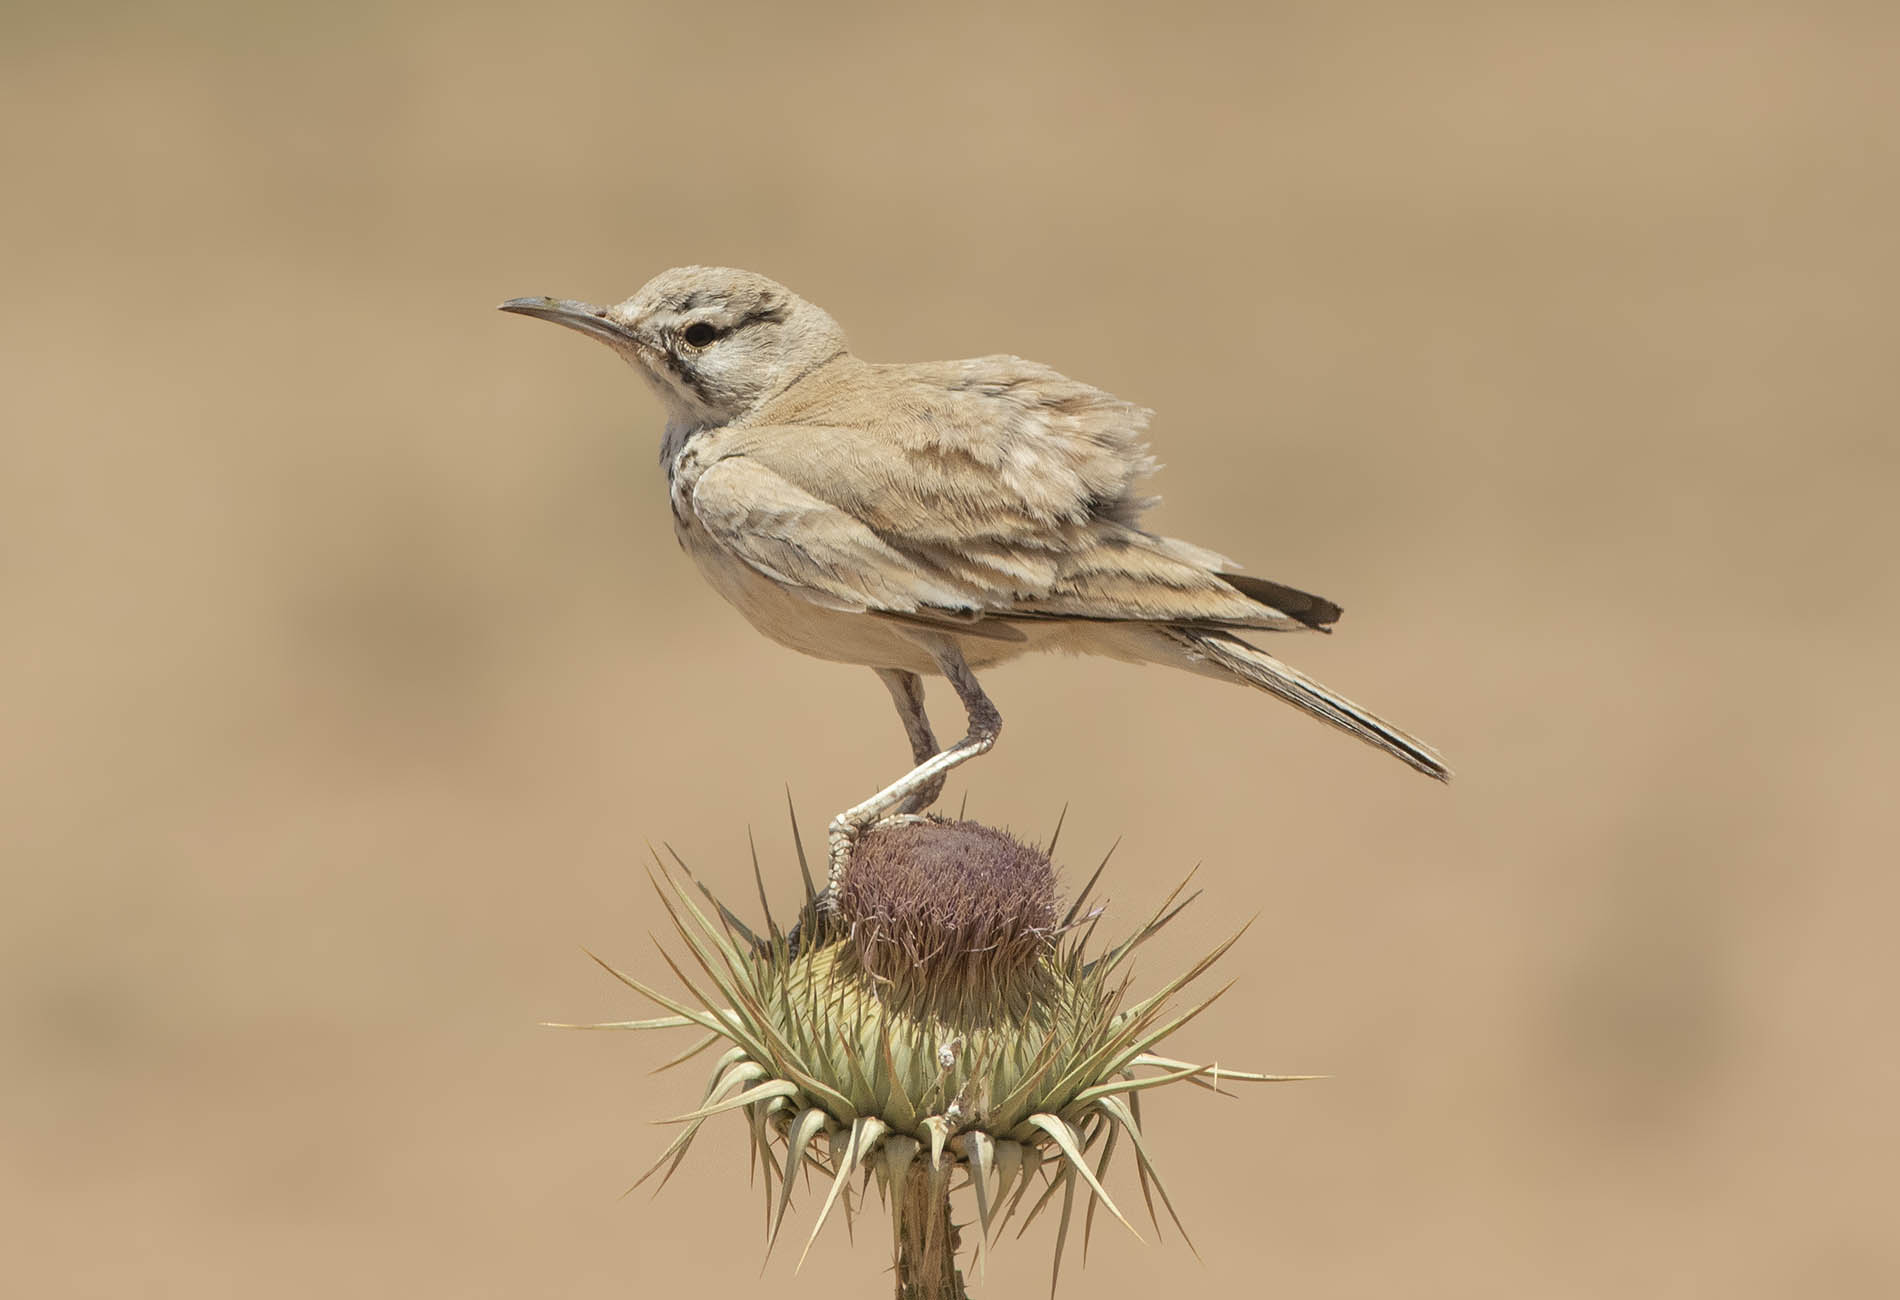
pixel 931 519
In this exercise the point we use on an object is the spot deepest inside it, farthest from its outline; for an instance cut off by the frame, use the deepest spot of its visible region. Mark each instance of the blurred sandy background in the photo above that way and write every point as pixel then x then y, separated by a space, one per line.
pixel 350 665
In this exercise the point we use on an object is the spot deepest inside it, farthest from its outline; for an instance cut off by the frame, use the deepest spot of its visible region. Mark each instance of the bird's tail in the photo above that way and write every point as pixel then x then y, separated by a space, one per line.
pixel 1220 654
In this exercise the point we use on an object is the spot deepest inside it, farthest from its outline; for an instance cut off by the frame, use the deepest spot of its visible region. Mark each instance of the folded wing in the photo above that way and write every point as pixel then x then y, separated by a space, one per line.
pixel 993 489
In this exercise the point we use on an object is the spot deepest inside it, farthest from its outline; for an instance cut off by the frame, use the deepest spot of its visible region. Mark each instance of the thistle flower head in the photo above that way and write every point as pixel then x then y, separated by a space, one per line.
pixel 952 916
pixel 942 1029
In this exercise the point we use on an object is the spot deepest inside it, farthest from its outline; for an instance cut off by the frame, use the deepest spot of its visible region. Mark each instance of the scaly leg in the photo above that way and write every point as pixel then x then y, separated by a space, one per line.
pixel 907 692
pixel 927 777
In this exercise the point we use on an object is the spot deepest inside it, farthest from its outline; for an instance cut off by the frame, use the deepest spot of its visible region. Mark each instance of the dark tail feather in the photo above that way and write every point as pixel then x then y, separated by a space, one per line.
pixel 1314 611
pixel 1236 658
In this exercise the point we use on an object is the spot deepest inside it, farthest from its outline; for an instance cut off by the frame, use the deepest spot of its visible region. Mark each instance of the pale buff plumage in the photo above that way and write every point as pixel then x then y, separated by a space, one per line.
pixel 930 518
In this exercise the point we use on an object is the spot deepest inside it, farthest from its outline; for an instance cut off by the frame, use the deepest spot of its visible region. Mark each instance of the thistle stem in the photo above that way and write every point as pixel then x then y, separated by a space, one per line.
pixel 927 1245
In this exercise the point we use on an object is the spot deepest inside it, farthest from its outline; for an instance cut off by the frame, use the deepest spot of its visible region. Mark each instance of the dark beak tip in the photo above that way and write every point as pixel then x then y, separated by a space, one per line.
pixel 582 316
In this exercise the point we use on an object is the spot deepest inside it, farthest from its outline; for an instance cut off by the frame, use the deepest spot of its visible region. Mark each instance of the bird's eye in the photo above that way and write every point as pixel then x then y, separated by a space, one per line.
pixel 699 334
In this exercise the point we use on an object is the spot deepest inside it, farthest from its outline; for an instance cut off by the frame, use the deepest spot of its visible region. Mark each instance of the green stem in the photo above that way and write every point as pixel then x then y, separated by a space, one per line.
pixel 927 1245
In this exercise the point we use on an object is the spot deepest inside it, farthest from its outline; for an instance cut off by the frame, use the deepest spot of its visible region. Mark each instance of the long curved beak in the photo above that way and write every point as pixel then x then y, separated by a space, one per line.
pixel 582 316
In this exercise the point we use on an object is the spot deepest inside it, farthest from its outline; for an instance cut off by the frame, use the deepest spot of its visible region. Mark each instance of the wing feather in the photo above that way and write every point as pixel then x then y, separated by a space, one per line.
pixel 992 489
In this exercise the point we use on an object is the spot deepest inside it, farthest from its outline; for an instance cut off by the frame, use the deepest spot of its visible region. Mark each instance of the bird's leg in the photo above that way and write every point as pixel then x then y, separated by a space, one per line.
pixel 907 692
pixel 927 777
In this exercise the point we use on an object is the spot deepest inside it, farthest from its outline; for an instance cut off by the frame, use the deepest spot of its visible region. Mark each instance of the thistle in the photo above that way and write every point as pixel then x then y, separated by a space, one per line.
pixel 940 1030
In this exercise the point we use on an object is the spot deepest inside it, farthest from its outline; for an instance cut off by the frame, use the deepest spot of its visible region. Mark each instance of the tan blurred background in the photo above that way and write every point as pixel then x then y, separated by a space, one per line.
pixel 350 665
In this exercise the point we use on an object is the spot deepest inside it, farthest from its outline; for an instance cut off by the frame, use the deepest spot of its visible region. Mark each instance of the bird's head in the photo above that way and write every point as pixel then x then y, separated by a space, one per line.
pixel 715 343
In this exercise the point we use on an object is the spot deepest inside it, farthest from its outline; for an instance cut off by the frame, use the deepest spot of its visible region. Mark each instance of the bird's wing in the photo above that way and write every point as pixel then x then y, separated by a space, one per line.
pixel 826 555
pixel 999 570
pixel 994 489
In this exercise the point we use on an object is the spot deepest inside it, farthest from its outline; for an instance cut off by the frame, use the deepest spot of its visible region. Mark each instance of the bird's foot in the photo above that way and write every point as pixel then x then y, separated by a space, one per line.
pixel 842 841
pixel 842 837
